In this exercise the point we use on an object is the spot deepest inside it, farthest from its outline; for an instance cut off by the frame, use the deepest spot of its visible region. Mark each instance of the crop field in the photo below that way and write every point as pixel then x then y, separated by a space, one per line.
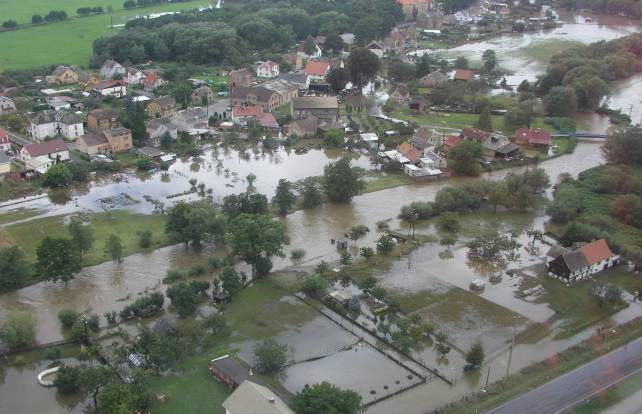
pixel 69 41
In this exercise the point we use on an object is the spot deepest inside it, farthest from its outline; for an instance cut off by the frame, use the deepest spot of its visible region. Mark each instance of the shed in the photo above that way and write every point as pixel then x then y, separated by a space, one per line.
pixel 227 370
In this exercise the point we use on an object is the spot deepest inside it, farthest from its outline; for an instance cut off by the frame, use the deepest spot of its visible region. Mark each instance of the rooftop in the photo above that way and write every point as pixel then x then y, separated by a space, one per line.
pixel 252 398
pixel 315 102
pixel 46 147
pixel 319 68
pixel 597 251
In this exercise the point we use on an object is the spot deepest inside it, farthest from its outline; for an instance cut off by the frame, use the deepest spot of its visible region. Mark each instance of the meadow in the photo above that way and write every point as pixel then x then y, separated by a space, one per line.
pixel 70 41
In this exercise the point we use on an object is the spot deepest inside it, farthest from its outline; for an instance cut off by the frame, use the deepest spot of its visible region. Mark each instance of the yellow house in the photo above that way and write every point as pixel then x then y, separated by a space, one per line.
pixel 62 75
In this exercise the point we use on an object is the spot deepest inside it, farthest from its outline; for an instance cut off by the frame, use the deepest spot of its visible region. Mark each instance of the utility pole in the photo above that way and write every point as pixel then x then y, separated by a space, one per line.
pixel 487 377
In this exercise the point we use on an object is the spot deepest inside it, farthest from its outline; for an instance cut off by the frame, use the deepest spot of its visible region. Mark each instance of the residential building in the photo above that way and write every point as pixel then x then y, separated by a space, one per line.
pixel 286 90
pixel 371 139
pixel 111 68
pixel 252 398
pixel 300 79
pixel 57 103
pixel 243 113
pixel 348 38
pixel 293 59
pixel 451 142
pixel 115 88
pixel 152 81
pixel 190 118
pixel 266 120
pixel 583 263
pixel 317 70
pixel 133 76
pixel 433 79
pixel 158 127
pixel 305 127
pixel 325 108
pixel 410 152
pixel 464 75
pixel 413 7
pixel 240 77
pixel 399 94
pixel 5 141
pixel 230 372
pixel 93 143
pixel 267 69
pixel 119 139
pixel 431 160
pixel 199 95
pixel 100 119
pixel 377 48
pixel 425 140
pixel 533 137
pixel 493 143
pixel 316 51
pixel 88 81
pixel 62 75
pixel 54 149
pixel 7 105
pixel 268 95
pixel 473 134
pixel 48 124
pixel 161 107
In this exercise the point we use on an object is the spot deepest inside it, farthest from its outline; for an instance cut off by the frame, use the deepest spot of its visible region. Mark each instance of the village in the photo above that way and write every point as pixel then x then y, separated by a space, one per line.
pixel 367 220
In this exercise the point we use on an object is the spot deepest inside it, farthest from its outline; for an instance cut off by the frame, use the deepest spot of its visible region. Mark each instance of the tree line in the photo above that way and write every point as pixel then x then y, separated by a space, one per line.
pixel 632 8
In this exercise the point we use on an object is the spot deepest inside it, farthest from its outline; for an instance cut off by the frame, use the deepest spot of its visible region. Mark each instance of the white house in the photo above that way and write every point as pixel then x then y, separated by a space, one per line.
pixel 54 149
pixel 111 68
pixel 7 106
pixel 316 53
pixel 133 76
pixel 53 123
pixel 592 258
pixel 371 139
pixel 111 88
pixel 5 141
pixel 252 398
pixel 267 69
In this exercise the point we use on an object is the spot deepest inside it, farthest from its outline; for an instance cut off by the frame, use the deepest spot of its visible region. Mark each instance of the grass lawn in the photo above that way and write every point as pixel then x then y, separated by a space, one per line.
pixel 621 277
pixel 544 50
pixel 380 181
pixel 120 222
pixel 10 189
pixel 612 396
pixel 17 214
pixel 70 41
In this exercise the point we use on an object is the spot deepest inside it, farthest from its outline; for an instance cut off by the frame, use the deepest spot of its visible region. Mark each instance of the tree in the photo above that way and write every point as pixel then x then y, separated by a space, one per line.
pixel 18 330
pixel 341 181
pixel 9 24
pixel 368 29
pixel 114 247
pixel 624 146
pixel 309 46
pixel 358 231
pixel 338 78
pixel 36 18
pixel 385 244
pixel 250 179
pixel 400 71
pixel 68 379
pixel 485 121
pixel 57 259
pixel 312 196
pixel 524 86
pixel 94 379
pixel 117 398
pixel 628 209
pixel 185 297
pixel 58 175
pixel 461 63
pixel 194 222
pixel 326 398
pixel 82 236
pixel 366 252
pixel 14 268
pixel 284 196
pixel 270 356
pixel 560 101
pixel 465 157
pixel 68 317
pixel 248 203
pixel 475 356
pixel 333 42
pixel 231 280
pixel 448 222
pixel 607 294
pixel 521 115
pixel 315 286
pixel 363 65
pixel 145 239
pixel 253 237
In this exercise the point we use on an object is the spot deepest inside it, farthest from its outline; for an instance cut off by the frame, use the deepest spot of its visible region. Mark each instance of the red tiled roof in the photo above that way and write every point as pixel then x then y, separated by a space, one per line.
pixel 597 251
pixel 410 152
pixel 452 140
pixel 463 74
pixel 246 111
pixel 46 148
pixel 4 137
pixel 267 120
pixel 474 134
pixel 533 136
pixel 317 68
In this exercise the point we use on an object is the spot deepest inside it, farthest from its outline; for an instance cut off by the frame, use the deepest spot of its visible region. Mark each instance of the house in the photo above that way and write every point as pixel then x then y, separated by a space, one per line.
pixel 119 139
pixel 377 48
pixel 230 372
pixel 39 165
pixel 464 75
pixel 88 81
pixel 57 103
pixel 371 139
pixel 432 79
pixel 62 75
pixel 133 76
pixel 266 120
pixel 493 143
pixel 293 59
pixel 111 68
pixel 267 69
pixel 190 118
pixel 399 94
pixel 54 149
pixel 100 119
pixel 115 88
pixel 161 107
pixel 5 163
pixel 507 151
pixel 325 108
pixel 243 113
pixel 152 81
pixel 316 51
pixel 202 94
pixel 413 7
pixel 473 134
pixel 533 137
pixel 240 77
pixel 286 90
pixel 7 105
pixel 348 38
pixel 584 262
pixel 451 142
pixel 53 123
pixel 93 143
pixel 269 95
pixel 424 139
pixel 252 398
pixel 411 153
pixel 305 127
pixel 317 70
pixel 299 79
pixel 432 160
pixel 5 141
pixel 156 128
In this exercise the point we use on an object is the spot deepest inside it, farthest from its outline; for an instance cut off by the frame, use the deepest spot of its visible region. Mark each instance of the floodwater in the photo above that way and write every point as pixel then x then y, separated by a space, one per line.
pixel 222 170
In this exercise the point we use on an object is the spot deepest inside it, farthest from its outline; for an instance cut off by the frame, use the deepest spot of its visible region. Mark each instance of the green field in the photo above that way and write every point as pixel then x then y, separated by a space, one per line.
pixel 68 42
pixel 544 50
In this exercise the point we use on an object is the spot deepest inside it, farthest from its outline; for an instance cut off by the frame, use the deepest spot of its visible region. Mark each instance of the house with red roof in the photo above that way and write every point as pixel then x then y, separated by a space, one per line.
pixel 54 149
pixel 588 260
pixel 240 113
pixel 451 141
pixel 5 142
pixel 152 81
pixel 317 70
pixel 533 137
pixel 464 75
pixel 407 150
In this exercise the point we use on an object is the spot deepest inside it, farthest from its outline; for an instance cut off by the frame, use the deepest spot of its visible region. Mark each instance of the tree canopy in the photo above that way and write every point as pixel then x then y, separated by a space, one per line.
pixel 194 222
pixel 326 398
pixel 341 182
pixel 57 259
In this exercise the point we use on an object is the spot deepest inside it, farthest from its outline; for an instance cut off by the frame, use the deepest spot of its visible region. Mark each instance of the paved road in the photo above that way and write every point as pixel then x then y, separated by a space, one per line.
pixel 561 394
pixel 16 139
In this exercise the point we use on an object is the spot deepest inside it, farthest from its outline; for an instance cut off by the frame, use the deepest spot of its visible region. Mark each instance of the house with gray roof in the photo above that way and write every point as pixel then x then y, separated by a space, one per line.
pixel 111 68
pixel 252 398
pixel 47 124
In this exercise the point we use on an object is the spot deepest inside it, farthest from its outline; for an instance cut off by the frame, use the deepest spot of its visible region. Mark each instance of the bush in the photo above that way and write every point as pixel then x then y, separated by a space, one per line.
pixel 297 254
pixel 143 307
pixel 419 210
pixel 68 317
pixel 270 356
pixel 315 286
pixel 385 244
pixel 145 239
